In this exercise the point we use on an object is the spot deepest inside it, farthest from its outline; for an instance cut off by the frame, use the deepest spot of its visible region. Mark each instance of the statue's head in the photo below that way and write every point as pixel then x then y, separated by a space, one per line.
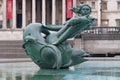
pixel 85 9
pixel 82 9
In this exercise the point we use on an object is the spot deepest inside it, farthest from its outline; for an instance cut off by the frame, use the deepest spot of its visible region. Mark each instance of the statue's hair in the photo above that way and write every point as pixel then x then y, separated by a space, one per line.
pixel 80 6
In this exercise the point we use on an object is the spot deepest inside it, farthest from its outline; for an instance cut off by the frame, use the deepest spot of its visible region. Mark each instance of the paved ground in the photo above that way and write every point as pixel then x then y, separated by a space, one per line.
pixel 103 58
pixel 15 60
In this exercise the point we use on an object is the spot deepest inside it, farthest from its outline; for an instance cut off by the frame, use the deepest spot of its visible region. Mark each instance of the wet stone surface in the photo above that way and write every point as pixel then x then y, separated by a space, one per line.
pixel 90 70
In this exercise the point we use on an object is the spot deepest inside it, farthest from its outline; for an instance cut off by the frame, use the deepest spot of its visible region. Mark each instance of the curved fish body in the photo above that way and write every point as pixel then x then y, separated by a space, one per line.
pixel 42 53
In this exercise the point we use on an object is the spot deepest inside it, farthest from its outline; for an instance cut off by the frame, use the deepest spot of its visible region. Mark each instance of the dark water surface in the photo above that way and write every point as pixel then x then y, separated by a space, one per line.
pixel 90 70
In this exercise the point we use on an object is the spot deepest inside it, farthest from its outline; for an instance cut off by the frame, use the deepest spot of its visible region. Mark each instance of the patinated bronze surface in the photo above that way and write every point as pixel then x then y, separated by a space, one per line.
pixel 52 50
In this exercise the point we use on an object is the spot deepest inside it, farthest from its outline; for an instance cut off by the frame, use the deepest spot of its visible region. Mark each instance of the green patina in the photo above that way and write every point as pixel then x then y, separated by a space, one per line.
pixel 52 50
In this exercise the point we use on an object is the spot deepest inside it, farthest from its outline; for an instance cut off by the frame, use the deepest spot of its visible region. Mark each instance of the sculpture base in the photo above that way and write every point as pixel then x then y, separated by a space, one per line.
pixel 89 70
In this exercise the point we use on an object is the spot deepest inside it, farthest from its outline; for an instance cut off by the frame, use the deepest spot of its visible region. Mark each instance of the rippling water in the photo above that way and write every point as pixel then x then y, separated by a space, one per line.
pixel 90 70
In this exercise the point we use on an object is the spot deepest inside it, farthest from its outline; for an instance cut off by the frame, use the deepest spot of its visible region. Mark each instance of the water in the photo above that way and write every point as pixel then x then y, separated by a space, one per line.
pixel 90 70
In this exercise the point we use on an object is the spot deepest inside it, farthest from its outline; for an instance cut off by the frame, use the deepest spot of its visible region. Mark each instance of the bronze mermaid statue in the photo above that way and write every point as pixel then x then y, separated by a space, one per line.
pixel 51 50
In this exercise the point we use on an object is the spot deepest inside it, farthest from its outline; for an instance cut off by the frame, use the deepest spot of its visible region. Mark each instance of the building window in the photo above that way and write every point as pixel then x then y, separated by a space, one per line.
pixel 1 14
pixel 19 5
pixel 105 23
pixel 104 5
pixel 1 24
pixel 80 2
pixel 118 22
pixel 118 4
pixel 93 5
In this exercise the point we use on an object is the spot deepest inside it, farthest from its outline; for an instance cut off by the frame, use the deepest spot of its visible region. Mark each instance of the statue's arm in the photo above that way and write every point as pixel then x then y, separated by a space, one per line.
pixel 73 21
pixel 46 32
pixel 90 24
pixel 53 27
pixel 69 23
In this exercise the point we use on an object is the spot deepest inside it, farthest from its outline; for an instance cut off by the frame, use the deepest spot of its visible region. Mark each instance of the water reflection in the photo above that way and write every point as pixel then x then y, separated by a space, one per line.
pixel 85 71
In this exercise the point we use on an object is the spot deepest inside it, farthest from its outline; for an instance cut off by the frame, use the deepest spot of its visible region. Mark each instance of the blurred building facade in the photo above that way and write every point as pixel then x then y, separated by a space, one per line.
pixel 16 14
pixel 106 12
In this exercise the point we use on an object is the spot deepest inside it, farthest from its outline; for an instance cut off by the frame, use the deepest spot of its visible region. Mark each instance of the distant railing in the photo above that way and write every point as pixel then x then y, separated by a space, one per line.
pixel 101 33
